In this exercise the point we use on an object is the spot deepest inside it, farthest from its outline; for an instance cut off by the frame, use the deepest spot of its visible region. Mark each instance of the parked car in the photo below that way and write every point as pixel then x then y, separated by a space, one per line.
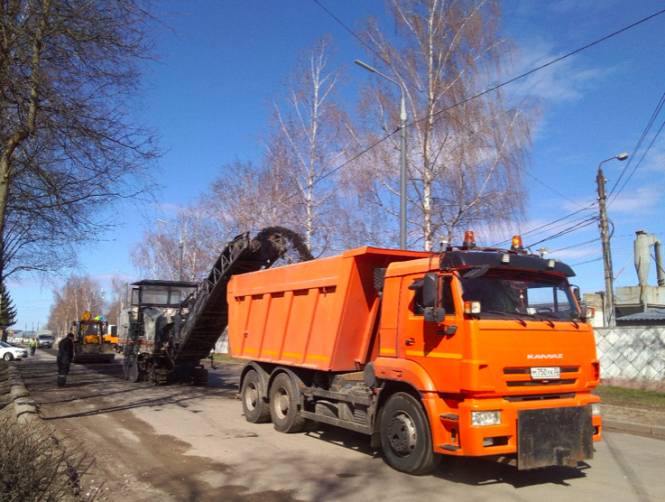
pixel 45 341
pixel 9 352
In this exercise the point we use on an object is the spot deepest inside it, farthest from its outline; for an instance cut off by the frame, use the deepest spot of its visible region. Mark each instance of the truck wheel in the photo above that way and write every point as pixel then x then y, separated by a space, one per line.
pixel 255 409
pixel 406 439
pixel 284 405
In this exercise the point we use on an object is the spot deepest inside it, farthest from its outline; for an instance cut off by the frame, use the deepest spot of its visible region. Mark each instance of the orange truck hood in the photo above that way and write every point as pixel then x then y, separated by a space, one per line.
pixel 500 354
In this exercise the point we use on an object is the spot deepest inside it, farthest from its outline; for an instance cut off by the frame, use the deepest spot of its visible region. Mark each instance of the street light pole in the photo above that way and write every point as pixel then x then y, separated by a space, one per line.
pixel 402 167
pixel 608 298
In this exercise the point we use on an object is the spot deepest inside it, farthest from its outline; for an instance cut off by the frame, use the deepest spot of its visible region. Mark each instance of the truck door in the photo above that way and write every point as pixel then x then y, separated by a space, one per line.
pixel 437 347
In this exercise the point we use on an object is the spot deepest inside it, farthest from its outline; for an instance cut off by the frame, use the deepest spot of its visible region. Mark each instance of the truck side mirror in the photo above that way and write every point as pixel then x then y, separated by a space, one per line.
pixel 432 310
pixel 430 290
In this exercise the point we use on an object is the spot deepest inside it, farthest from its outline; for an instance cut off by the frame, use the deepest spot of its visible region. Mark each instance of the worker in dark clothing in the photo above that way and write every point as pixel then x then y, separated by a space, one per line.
pixel 65 356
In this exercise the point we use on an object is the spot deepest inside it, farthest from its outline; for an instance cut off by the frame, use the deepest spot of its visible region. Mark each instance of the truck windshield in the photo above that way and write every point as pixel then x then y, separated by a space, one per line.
pixel 91 329
pixel 519 294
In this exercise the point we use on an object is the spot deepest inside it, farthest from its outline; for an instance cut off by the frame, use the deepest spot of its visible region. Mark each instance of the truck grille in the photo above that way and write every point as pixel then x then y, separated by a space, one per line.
pixel 521 377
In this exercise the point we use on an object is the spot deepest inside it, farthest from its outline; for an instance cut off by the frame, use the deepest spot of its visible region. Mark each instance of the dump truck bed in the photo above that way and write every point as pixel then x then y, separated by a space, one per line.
pixel 318 314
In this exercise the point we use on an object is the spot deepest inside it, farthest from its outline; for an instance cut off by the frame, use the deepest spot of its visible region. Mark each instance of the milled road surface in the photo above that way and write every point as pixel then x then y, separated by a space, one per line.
pixel 187 443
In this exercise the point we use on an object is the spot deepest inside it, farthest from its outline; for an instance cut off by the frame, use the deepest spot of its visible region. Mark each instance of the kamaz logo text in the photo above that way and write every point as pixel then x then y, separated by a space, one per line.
pixel 544 356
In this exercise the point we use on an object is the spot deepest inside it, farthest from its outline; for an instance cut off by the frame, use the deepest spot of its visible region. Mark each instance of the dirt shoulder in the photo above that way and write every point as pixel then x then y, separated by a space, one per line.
pixel 633 410
pixel 96 412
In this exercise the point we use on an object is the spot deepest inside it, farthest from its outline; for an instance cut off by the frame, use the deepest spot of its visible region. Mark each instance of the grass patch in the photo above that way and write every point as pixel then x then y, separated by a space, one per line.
pixel 637 398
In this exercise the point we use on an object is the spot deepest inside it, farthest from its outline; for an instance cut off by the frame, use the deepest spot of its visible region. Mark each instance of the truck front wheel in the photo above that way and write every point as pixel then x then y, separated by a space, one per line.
pixel 284 405
pixel 406 439
pixel 256 410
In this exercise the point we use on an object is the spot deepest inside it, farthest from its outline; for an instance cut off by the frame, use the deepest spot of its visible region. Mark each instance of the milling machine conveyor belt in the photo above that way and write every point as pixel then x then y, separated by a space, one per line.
pixel 208 308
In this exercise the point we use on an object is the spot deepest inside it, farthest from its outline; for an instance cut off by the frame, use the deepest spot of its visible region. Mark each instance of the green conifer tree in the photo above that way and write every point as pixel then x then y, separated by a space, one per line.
pixel 7 311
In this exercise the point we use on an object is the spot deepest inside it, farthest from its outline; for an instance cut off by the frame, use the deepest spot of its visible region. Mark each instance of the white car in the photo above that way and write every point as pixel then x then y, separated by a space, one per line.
pixel 9 352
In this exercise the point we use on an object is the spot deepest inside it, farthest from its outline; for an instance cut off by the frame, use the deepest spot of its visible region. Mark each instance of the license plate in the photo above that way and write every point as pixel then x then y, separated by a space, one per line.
pixel 549 373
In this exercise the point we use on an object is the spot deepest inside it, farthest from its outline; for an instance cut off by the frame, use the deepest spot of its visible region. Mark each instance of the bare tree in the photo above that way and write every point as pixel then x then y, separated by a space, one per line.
pixel 312 139
pixel 181 249
pixel 67 146
pixel 465 160
pixel 247 197
pixel 80 293
pixel 118 300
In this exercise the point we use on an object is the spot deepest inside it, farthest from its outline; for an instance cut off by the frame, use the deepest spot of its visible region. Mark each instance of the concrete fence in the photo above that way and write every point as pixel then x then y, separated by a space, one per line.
pixel 635 353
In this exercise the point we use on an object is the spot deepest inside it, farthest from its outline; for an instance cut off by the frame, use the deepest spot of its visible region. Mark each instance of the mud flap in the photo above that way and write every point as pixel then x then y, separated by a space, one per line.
pixel 554 436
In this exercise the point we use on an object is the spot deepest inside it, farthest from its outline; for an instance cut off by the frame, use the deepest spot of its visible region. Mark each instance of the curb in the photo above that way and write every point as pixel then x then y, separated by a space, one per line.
pixel 652 431
pixel 25 408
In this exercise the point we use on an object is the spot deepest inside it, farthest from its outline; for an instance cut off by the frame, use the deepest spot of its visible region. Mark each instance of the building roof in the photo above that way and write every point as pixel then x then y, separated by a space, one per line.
pixel 156 282
pixel 652 314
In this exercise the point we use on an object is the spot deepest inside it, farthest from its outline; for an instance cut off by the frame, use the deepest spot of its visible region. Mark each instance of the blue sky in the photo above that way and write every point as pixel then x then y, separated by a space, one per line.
pixel 221 63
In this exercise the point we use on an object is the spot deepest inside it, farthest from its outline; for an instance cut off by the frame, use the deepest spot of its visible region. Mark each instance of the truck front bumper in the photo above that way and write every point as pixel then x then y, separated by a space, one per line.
pixel 541 432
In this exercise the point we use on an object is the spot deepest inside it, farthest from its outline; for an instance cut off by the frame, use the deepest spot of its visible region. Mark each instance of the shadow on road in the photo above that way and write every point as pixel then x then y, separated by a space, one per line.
pixel 469 471
pixel 97 389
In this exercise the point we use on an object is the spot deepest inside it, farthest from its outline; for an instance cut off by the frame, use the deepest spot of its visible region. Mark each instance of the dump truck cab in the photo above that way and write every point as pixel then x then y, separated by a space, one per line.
pixel 497 345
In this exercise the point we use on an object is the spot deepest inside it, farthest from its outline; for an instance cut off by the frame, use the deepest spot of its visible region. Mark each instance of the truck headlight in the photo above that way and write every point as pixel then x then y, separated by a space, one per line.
pixel 480 418
pixel 595 409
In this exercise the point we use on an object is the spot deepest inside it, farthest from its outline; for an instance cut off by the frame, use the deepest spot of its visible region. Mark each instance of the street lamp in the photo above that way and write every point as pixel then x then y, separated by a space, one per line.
pixel 608 300
pixel 402 170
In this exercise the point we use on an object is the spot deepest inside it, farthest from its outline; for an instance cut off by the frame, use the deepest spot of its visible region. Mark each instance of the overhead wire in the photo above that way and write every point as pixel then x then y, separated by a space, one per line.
pixel 572 246
pixel 645 132
pixel 639 162
pixel 488 90
pixel 566 231
pixel 585 262
pixel 512 80
pixel 539 228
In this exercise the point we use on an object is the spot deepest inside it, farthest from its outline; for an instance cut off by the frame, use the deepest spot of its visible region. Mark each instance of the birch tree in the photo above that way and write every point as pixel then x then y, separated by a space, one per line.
pixel 80 293
pixel 465 157
pixel 183 248
pixel 311 137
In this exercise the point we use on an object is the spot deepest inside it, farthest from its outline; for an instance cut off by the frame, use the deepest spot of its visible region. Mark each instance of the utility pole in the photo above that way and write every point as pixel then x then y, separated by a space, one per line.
pixel 181 246
pixel 608 297
pixel 402 160
pixel 402 171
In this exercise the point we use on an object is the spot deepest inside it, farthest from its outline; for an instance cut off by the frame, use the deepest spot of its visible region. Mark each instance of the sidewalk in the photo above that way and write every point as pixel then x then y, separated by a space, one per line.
pixel 640 421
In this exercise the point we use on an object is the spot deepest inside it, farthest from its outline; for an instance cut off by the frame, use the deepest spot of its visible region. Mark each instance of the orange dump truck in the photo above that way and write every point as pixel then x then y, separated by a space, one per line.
pixel 470 352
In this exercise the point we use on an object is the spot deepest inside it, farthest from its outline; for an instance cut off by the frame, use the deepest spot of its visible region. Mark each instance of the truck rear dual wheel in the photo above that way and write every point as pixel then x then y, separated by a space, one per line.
pixel 406 439
pixel 284 405
pixel 256 410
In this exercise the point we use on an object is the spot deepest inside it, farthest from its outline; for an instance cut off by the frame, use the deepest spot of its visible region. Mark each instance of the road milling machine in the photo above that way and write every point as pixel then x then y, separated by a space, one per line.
pixel 170 326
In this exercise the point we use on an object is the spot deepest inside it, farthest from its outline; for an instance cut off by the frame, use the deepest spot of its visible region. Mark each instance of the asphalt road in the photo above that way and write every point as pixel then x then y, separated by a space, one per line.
pixel 186 443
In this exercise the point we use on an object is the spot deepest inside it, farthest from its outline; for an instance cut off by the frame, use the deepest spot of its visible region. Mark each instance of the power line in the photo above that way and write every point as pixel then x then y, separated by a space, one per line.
pixel 570 229
pixel 492 88
pixel 644 154
pixel 551 188
pixel 505 82
pixel 350 31
pixel 590 241
pixel 645 132
pixel 545 225
pixel 585 262
pixel 548 63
